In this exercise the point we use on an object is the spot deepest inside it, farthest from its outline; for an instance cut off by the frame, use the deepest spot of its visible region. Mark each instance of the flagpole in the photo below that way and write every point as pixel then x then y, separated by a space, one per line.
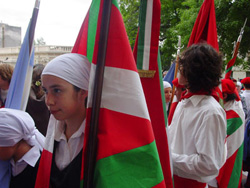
pixel 90 160
pixel 235 52
pixel 176 66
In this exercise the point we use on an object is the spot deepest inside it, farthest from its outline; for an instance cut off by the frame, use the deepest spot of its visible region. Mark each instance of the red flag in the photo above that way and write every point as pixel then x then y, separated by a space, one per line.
pixel 204 29
pixel 229 67
pixel 146 56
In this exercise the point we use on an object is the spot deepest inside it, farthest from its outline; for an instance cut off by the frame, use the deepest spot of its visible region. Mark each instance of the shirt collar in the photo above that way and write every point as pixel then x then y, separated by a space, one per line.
pixel 30 158
pixel 195 99
pixel 60 128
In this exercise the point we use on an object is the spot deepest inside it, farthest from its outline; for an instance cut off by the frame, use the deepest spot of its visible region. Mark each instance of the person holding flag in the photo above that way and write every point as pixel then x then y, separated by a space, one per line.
pixel 230 174
pixel 198 128
pixel 65 80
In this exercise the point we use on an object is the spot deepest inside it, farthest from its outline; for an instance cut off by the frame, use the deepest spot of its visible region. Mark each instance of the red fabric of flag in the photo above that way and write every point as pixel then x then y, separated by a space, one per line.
pixel 204 29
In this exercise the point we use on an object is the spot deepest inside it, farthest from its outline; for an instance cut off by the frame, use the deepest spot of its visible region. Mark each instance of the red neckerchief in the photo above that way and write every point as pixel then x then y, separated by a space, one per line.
pixel 215 93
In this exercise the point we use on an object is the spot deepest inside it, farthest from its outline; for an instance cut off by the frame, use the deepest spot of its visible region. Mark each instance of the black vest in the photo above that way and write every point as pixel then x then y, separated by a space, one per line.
pixel 69 177
pixel 27 178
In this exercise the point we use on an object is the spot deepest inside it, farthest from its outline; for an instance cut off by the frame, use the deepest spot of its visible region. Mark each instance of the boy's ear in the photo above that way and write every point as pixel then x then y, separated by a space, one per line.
pixel 224 95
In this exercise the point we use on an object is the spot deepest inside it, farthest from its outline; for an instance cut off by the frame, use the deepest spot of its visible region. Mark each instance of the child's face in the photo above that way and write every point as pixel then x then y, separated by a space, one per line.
pixel 168 94
pixel 63 101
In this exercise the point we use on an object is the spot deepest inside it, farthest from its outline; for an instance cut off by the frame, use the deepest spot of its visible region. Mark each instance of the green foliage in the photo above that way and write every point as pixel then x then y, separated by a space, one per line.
pixel 178 18
pixel 130 13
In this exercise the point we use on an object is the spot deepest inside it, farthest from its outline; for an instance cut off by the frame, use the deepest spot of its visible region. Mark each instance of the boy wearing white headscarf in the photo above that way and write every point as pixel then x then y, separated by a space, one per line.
pixel 65 80
pixel 20 144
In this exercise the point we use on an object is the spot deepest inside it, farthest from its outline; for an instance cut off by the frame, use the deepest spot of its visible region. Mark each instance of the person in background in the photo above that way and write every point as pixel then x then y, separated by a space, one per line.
pixel 168 93
pixel 6 71
pixel 65 81
pixel 246 92
pixel 36 106
pixel 164 73
pixel 230 174
pixel 20 144
pixel 242 98
pixel 198 129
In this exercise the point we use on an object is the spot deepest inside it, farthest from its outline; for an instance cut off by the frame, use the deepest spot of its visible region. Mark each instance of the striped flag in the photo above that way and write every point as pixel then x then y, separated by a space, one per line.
pixel 147 57
pixel 230 174
pixel 127 154
pixel 229 67
pixel 18 93
pixel 204 29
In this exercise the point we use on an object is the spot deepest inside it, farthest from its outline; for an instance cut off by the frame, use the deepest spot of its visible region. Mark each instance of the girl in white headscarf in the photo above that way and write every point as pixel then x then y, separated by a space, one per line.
pixel 20 144
pixel 65 81
pixel 168 93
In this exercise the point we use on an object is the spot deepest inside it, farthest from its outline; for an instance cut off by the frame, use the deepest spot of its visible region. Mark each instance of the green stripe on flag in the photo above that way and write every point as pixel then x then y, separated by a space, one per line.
pixel 141 36
pixel 233 124
pixel 229 69
pixel 114 2
pixel 139 167
pixel 92 27
pixel 162 88
pixel 236 173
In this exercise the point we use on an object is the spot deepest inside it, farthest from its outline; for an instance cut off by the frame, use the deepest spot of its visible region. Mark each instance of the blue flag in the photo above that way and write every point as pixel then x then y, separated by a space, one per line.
pixel 18 93
pixel 170 75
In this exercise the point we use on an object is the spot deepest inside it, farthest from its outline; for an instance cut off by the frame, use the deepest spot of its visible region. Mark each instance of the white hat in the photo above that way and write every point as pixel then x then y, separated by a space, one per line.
pixel 72 67
pixel 16 125
pixel 166 84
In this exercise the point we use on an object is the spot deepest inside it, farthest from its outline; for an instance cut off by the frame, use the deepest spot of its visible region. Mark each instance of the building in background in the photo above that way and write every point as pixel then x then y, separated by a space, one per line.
pixel 43 54
pixel 10 41
pixel 10 36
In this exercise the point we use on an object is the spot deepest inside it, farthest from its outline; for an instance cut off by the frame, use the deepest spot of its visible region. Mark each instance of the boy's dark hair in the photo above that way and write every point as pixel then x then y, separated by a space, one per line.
pixel 230 97
pixel 202 67
pixel 247 86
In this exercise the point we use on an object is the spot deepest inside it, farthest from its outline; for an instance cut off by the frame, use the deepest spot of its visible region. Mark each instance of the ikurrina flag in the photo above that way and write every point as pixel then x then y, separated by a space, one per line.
pixel 236 49
pixel 229 67
pixel 230 174
pixel 147 58
pixel 127 154
pixel 204 29
pixel 18 93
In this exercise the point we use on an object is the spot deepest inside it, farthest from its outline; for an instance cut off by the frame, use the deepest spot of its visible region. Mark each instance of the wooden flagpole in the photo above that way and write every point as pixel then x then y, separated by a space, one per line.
pixel 176 66
pixel 90 160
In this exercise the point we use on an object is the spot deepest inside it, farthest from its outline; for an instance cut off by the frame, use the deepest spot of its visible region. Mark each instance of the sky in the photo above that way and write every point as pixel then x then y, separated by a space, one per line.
pixel 58 22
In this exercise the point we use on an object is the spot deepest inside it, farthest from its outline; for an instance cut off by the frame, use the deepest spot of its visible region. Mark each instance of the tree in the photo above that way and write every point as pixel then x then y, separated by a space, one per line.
pixel 178 18
pixel 130 13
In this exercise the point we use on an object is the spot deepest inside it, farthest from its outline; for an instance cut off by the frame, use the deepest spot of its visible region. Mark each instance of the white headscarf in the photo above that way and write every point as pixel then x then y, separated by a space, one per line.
pixel 166 84
pixel 239 84
pixel 16 125
pixel 72 67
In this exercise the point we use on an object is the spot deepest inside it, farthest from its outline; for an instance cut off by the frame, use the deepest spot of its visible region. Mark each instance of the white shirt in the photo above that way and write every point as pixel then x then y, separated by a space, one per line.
pixel 30 158
pixel 197 136
pixel 246 94
pixel 66 151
